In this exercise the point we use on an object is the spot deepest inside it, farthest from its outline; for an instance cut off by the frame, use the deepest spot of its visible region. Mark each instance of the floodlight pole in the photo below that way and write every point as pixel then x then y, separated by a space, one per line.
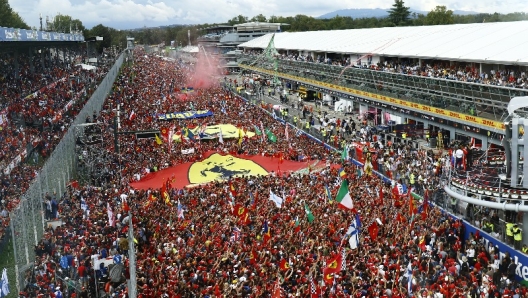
pixel 132 282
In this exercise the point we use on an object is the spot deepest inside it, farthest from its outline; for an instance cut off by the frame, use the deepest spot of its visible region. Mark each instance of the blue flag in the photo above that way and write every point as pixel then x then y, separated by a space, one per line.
pixel 328 193
pixel 188 133
pixel 252 199
pixel 358 222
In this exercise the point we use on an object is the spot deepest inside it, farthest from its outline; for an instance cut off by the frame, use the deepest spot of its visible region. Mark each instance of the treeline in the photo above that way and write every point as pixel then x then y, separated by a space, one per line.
pixel 10 18
pixel 399 15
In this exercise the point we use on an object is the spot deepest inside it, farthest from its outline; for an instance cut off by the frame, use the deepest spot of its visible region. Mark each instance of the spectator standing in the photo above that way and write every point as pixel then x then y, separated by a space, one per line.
pixel 459 157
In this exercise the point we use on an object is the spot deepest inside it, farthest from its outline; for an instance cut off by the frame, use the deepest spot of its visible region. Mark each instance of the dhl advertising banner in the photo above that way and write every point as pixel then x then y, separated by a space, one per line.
pixel 184 115
pixel 216 167
pixel 424 108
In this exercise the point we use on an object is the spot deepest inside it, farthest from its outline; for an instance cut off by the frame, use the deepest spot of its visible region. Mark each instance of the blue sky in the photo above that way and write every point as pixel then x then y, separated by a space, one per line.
pixel 127 14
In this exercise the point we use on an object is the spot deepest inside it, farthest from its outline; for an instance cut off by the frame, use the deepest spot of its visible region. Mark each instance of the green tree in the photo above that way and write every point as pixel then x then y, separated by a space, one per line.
pixel 337 23
pixel 238 20
pixel 103 31
pixel 259 18
pixel 419 20
pixel 10 18
pixel 65 24
pixel 440 15
pixel 399 13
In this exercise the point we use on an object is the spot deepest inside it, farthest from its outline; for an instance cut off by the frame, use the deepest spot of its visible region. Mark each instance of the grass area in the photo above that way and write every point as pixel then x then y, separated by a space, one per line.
pixel 7 260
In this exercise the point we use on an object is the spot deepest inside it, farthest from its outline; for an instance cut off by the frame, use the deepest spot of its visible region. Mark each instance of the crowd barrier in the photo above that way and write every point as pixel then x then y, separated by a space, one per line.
pixel 28 219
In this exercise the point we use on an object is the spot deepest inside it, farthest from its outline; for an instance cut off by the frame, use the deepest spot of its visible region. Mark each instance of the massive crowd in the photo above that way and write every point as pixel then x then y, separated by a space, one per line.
pixel 40 97
pixel 195 245
pixel 465 72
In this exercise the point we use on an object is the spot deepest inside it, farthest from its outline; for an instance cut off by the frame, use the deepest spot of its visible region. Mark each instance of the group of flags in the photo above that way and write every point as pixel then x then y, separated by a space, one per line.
pixel 333 266
pixel 268 134
pixel 400 192
pixel 337 262
pixel 168 133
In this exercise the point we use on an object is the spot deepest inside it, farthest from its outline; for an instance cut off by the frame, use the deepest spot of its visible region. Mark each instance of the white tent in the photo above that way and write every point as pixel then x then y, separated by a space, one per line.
pixel 517 103
pixel 500 42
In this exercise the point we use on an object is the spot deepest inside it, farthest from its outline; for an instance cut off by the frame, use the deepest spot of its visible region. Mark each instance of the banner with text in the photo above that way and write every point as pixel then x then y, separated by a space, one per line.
pixel 403 103
pixel 185 115
pixel 14 34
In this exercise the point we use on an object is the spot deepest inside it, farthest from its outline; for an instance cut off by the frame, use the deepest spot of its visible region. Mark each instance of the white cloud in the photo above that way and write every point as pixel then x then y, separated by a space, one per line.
pixel 102 11
pixel 138 13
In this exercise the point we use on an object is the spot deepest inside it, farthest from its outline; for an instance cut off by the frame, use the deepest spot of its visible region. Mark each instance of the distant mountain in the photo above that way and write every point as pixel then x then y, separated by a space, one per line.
pixel 357 13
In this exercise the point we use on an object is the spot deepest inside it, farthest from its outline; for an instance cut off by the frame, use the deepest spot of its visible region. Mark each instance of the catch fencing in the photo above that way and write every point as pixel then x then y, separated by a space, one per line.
pixel 28 222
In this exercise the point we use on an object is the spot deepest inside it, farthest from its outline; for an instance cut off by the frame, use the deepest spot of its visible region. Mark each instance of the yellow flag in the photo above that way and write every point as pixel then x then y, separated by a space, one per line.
pixel 239 137
pixel 167 198
pixel 158 140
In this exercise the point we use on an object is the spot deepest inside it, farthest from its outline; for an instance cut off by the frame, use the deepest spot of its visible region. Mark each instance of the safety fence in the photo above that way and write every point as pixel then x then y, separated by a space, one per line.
pixel 28 220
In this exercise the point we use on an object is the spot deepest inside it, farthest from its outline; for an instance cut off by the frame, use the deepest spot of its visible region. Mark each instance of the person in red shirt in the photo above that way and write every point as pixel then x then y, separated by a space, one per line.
pixel 82 274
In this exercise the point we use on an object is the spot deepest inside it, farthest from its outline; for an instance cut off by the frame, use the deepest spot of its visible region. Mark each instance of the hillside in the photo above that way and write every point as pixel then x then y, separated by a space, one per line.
pixel 357 13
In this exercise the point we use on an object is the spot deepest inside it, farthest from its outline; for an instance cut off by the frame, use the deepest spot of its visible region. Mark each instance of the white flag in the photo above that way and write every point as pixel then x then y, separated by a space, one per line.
pixel 187 151
pixel 220 137
pixel 110 212
pixel 352 232
pixel 276 199
pixel 4 289
pixel 84 206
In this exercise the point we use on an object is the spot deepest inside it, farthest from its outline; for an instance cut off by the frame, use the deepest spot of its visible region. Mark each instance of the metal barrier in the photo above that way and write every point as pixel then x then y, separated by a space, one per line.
pixel 28 220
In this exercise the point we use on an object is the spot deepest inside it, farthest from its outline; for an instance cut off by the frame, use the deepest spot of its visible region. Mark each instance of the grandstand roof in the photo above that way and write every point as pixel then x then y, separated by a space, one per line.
pixel 494 43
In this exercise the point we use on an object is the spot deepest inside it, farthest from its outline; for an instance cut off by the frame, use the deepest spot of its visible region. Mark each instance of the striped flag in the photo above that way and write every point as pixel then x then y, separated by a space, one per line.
pixel 235 235
pixel 180 210
pixel 343 197
pixel 313 289
pixel 409 278
pixel 343 259
pixel 328 193
pixel 132 116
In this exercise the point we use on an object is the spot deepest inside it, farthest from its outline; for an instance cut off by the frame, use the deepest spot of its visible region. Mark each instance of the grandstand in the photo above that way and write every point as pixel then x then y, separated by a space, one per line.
pixel 45 84
pixel 466 87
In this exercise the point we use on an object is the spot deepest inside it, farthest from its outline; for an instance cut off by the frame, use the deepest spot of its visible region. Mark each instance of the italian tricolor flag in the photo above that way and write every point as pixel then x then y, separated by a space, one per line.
pixel 343 197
